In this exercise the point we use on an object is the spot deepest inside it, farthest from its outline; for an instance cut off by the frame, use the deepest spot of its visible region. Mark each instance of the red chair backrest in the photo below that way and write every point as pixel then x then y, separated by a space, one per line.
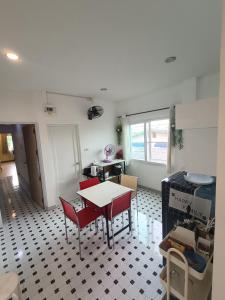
pixel 119 205
pixel 88 183
pixel 69 211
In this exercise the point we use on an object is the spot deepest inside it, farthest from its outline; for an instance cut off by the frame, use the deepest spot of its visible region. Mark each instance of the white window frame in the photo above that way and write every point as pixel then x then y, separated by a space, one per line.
pixel 145 122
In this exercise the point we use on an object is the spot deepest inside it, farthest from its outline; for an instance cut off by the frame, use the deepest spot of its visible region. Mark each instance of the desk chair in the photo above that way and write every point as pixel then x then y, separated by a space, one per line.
pixel 130 182
pixel 84 185
pixel 118 206
pixel 10 287
pixel 81 218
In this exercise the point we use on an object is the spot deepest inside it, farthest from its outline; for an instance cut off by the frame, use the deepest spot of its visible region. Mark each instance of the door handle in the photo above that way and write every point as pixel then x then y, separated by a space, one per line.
pixel 76 164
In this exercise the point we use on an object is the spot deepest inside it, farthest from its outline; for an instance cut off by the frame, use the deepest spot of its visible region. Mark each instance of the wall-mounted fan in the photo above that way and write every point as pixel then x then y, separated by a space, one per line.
pixel 109 152
pixel 95 112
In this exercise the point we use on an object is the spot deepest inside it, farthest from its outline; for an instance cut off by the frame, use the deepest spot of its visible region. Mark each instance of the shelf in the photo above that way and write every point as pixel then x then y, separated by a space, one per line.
pixel 89 175
pixel 113 162
pixel 176 260
pixel 101 178
pixel 112 176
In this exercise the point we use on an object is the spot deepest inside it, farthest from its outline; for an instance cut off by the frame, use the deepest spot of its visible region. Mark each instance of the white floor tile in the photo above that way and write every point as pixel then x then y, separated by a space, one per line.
pixel 33 245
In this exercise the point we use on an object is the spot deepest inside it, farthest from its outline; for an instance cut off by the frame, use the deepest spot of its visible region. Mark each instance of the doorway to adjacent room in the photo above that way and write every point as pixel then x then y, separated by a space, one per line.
pixel 19 160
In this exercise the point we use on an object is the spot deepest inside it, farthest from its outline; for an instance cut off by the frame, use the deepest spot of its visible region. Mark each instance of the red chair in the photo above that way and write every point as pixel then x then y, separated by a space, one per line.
pixel 86 184
pixel 118 206
pixel 81 218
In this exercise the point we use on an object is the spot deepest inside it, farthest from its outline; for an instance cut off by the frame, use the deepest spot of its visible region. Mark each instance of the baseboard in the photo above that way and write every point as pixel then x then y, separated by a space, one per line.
pixel 151 189
pixel 50 207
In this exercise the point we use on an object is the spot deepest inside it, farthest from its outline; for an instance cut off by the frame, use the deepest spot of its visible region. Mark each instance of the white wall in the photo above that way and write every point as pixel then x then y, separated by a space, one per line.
pixel 208 86
pixel 183 92
pixel 27 107
pixel 199 153
pixel 219 245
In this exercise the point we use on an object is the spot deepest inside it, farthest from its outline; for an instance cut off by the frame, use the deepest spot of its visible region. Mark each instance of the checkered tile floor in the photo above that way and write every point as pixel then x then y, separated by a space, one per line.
pixel 32 243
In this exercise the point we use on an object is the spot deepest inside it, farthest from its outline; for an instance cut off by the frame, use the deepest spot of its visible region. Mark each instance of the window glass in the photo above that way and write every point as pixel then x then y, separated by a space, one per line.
pixel 158 140
pixel 137 132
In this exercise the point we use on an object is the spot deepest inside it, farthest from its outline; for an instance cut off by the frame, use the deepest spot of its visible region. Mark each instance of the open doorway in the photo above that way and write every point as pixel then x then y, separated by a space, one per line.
pixel 7 157
pixel 20 159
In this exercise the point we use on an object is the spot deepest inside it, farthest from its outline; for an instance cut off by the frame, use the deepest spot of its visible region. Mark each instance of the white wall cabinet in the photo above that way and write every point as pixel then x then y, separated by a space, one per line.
pixel 197 114
pixel 198 120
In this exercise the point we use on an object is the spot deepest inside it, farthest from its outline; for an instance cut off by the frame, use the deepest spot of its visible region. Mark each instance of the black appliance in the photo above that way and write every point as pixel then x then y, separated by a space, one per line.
pixel 95 112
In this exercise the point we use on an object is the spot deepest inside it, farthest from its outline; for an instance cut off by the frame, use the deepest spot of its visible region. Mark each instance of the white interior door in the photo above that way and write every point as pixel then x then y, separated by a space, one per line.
pixel 65 149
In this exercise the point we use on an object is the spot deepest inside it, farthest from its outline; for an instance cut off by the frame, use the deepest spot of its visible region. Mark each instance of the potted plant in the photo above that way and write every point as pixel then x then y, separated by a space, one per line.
pixel 178 140
pixel 119 130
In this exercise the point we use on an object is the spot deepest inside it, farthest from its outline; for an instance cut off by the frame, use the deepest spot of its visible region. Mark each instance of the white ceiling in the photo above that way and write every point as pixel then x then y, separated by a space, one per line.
pixel 79 46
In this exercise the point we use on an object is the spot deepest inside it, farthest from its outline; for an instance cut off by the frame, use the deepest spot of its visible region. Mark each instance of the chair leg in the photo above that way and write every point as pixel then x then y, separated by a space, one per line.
pixel 66 229
pixel 112 230
pixel 96 225
pixel 137 209
pixel 14 296
pixel 103 228
pixel 122 219
pixel 130 221
pixel 79 243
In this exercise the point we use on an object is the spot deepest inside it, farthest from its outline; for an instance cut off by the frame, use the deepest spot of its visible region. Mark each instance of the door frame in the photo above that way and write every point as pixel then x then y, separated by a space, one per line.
pixel 41 163
pixel 76 144
pixel 33 129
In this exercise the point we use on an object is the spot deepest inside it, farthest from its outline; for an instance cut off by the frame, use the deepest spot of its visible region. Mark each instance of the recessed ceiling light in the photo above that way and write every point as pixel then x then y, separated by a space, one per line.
pixel 170 59
pixel 103 89
pixel 12 56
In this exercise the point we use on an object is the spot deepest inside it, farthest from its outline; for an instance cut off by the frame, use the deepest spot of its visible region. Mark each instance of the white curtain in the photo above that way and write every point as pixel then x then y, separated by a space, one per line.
pixel 126 139
pixel 170 152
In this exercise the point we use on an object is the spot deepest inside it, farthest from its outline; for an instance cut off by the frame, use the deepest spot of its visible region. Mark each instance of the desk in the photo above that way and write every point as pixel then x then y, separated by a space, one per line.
pixel 104 166
pixel 103 194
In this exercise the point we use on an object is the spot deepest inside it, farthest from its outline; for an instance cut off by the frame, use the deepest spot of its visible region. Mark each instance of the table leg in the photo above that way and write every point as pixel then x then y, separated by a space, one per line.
pixel 107 227
pixel 103 175
pixel 129 217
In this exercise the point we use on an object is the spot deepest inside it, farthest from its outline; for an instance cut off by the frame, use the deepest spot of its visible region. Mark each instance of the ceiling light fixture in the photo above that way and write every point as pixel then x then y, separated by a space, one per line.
pixel 103 89
pixel 12 56
pixel 170 59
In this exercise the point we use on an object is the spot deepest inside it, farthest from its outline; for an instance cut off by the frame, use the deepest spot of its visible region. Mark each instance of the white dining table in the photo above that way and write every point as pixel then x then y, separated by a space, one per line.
pixel 103 194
